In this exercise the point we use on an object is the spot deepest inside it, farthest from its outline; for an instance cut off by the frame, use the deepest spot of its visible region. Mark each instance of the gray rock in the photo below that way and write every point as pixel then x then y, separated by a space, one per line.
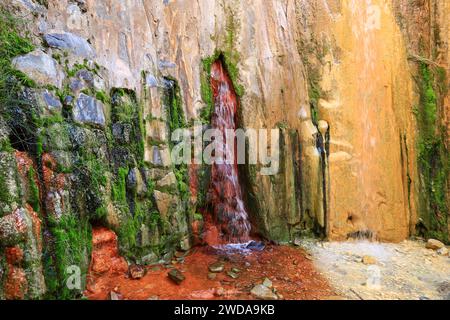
pixel 89 110
pixel 135 182
pixel 262 292
pixel 40 67
pixel 176 276
pixel 69 41
pixel 51 102
pixel 216 267
pixel 121 132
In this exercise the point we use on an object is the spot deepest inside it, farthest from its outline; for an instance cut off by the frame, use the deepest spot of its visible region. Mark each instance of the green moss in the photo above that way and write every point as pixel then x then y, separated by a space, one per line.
pixel 173 102
pixel 102 96
pixel 119 187
pixel 433 158
pixel 72 247
pixel 13 42
pixel 5 196
pixel 33 198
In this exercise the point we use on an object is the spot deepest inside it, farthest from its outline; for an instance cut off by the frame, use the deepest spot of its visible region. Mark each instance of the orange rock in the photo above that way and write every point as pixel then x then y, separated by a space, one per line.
pixel 14 255
pixel 16 285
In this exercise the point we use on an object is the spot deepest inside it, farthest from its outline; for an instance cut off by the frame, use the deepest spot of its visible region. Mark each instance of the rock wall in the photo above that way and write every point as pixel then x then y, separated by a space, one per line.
pixel 107 81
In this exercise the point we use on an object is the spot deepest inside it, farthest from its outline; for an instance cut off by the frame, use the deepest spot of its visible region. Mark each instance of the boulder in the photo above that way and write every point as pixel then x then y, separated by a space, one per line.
pixel 71 42
pixel 89 110
pixel 434 244
pixel 262 292
pixel 40 67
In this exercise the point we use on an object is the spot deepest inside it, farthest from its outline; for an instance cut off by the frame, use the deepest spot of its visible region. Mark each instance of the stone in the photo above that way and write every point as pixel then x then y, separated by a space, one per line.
pixel 164 202
pixel 157 130
pixel 232 274
pixel 442 251
pixel 40 67
pixel 158 156
pixel 115 296
pixel 369 260
pixel 153 298
pixel 256 246
pixel 297 242
pixel 149 259
pixel 51 102
pixel 168 181
pixel 136 272
pixel 216 267
pixel 263 293
pixel 267 283
pixel 434 244
pixel 122 133
pixel 176 276
pixel 13 228
pixel 212 276
pixel 71 42
pixel 89 110
pixel 135 182
pixel 219 292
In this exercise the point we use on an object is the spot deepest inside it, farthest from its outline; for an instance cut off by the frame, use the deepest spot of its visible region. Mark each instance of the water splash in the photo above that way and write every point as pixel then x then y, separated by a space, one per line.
pixel 225 194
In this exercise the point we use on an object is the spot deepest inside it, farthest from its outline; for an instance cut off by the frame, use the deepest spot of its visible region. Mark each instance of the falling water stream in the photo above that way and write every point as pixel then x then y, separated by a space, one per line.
pixel 225 194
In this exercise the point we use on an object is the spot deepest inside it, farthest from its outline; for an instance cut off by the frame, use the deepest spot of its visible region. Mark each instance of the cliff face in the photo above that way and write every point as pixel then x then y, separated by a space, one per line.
pixel 357 90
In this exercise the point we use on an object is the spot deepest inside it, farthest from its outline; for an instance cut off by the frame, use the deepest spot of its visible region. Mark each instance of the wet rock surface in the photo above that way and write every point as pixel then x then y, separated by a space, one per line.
pixel 190 279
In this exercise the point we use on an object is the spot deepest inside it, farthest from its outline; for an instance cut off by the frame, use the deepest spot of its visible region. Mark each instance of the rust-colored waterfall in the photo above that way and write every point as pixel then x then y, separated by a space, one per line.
pixel 225 194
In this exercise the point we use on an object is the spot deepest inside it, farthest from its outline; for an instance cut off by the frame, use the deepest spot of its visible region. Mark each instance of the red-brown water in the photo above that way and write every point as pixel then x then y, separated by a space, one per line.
pixel 229 217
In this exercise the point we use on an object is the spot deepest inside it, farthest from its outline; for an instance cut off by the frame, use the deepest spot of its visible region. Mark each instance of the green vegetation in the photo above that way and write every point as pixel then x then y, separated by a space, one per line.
pixel 119 188
pixel 33 198
pixel 433 157
pixel 72 247
pixel 13 42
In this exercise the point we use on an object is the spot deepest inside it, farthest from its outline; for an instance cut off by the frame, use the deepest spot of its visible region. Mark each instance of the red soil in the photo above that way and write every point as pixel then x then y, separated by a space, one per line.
pixel 290 270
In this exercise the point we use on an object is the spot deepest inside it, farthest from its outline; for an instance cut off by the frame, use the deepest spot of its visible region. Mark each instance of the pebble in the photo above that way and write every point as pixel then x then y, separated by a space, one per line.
pixel 216 267
pixel 176 276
